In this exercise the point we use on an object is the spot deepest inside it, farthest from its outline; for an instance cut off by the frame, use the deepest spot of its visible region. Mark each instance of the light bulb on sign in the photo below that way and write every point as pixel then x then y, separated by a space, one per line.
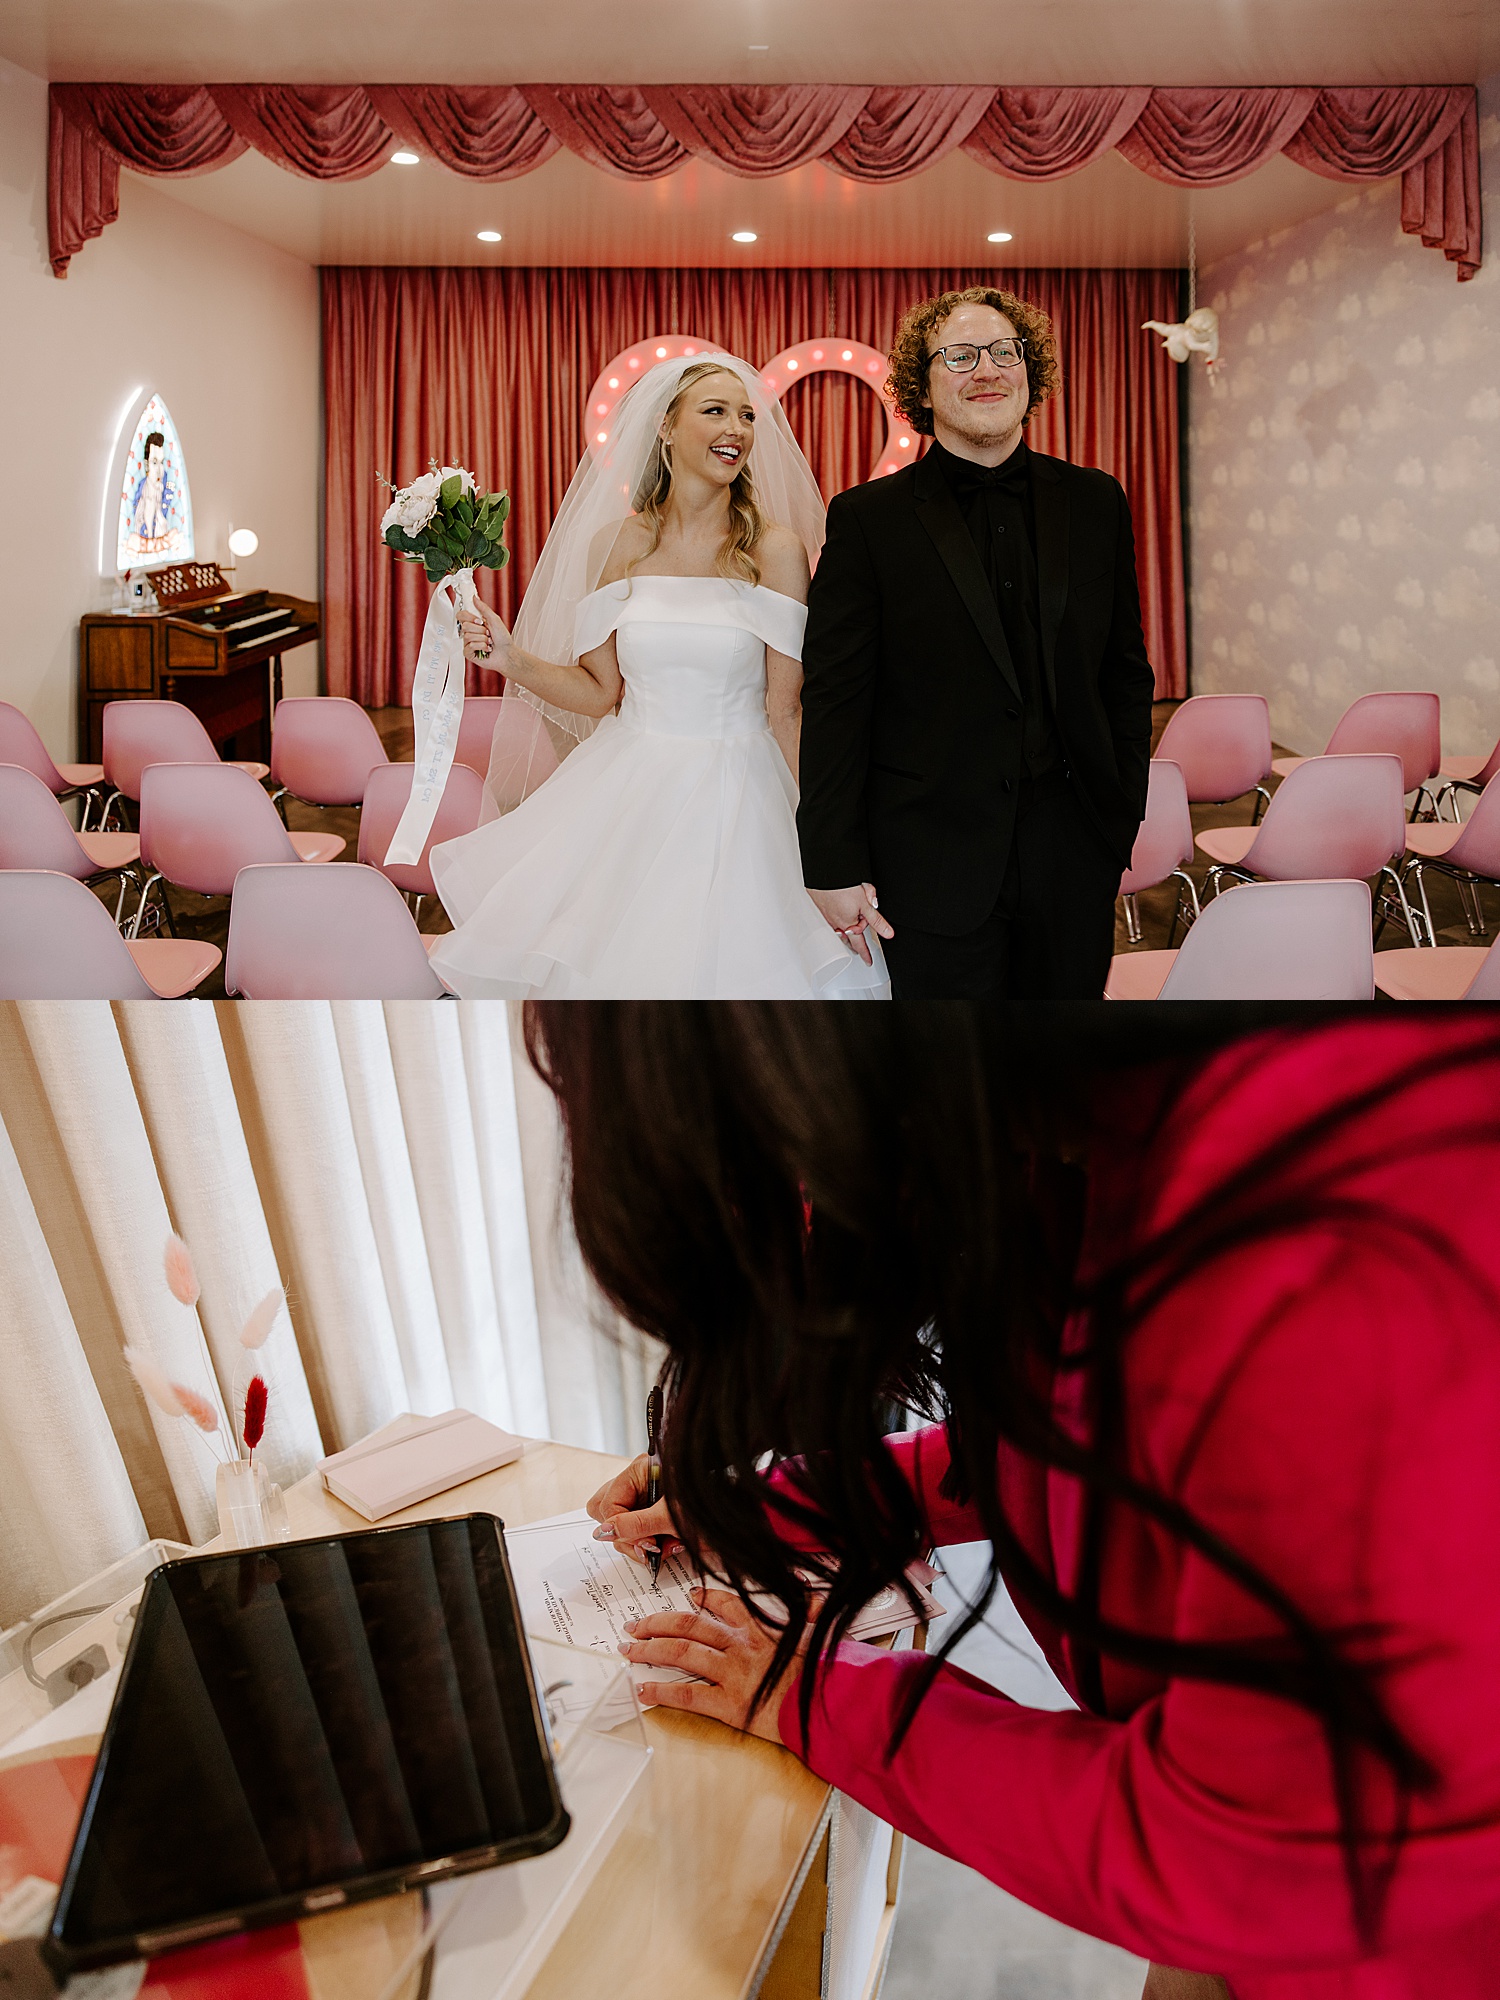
pixel 243 542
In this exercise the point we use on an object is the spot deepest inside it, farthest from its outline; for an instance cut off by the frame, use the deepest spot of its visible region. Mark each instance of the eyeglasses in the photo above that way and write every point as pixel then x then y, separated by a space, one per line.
pixel 963 360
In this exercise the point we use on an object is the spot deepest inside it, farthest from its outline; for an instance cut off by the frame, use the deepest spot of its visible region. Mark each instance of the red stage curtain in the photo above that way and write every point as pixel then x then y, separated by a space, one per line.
pixel 486 131
pixel 1037 135
pixel 1190 138
pixel 490 368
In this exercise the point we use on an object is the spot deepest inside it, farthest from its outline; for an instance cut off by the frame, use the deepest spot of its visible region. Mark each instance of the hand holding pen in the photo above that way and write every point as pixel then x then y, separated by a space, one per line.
pixel 630 1509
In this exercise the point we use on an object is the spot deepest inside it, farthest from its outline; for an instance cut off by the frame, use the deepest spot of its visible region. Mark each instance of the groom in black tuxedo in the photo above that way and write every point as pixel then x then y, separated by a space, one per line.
pixel 976 707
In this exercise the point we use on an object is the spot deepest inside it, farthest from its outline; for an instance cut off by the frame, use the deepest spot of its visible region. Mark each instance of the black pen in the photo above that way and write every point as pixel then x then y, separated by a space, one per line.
pixel 653 1468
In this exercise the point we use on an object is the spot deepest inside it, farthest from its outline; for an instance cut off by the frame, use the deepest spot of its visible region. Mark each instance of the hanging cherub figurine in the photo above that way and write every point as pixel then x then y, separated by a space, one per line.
pixel 1197 334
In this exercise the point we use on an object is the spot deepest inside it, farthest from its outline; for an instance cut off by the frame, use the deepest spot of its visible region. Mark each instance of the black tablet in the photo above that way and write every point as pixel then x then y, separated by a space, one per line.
pixel 302 1726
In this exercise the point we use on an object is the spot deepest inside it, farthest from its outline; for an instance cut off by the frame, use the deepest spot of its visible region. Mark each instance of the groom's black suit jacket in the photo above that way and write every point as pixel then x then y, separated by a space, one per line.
pixel 911 704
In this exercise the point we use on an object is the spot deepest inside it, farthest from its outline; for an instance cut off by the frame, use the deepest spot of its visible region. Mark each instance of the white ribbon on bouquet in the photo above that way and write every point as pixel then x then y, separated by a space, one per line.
pixel 437 706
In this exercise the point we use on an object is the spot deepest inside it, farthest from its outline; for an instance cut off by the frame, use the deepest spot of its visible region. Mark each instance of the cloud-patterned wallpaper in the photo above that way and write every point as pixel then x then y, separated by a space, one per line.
pixel 1344 472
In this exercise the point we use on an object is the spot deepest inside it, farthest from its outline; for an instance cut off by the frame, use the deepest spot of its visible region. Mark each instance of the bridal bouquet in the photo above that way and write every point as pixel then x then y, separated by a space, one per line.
pixel 445 523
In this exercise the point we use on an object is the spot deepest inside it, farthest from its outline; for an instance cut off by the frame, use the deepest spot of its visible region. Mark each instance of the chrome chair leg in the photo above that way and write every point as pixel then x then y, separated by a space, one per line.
pixel 140 909
pixel 1132 917
pixel 1415 925
pixel 1262 800
pixel 1213 881
pixel 1184 882
pixel 278 799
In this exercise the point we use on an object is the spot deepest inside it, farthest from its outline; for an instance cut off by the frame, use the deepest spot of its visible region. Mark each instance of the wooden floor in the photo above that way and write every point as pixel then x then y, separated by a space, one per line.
pixel 207 917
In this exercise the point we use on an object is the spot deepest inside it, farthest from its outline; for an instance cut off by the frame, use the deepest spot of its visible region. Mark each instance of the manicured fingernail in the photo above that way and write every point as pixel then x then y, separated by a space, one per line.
pixel 648 1548
pixel 604 1533
pixel 624 1646
pixel 631 1623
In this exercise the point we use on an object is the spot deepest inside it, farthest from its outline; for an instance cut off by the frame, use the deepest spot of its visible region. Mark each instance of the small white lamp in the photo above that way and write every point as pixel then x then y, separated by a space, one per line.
pixel 242 542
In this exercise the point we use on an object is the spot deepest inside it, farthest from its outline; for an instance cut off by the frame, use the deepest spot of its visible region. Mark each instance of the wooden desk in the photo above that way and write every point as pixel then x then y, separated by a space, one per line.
pixel 725 1894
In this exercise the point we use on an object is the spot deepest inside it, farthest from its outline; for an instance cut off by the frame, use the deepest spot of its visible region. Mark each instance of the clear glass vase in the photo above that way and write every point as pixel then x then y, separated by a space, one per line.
pixel 252 1507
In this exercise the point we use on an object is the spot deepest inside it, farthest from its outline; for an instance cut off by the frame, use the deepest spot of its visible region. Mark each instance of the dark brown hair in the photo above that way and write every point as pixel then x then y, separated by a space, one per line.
pixel 906 384
pixel 826 1211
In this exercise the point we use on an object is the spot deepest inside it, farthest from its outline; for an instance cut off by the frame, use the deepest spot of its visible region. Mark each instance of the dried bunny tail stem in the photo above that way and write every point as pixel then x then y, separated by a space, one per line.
pixel 256 1398
pixel 256 1330
pixel 165 1394
pixel 197 1408
pixel 182 1279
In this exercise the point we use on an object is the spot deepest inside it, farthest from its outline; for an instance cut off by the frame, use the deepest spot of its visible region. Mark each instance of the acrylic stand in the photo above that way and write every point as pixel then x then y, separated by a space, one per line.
pixel 75 1640
pixel 489 1933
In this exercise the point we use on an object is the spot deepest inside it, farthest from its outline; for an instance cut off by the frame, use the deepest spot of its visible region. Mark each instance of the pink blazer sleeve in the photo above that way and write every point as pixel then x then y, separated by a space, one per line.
pixel 922 1458
pixel 1333 1411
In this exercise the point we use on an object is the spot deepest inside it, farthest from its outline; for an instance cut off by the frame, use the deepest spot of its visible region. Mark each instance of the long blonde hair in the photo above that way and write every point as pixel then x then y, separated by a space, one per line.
pixel 747 523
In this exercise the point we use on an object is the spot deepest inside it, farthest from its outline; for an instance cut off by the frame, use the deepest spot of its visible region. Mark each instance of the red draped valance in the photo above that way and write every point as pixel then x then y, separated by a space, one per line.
pixel 1197 137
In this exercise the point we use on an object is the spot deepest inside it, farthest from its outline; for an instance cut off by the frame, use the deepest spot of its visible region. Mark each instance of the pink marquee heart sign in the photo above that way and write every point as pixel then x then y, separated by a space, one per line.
pixel 793 364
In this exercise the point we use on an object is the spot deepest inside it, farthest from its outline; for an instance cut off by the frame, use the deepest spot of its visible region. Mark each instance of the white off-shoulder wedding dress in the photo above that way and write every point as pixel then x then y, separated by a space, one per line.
pixel 660 859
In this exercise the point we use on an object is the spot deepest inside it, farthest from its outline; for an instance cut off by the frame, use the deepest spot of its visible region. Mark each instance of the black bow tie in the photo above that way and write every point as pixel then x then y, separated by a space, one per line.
pixel 965 477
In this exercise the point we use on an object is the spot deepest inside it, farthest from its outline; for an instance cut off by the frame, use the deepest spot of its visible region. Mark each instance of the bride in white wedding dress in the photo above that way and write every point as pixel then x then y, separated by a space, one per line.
pixel 663 628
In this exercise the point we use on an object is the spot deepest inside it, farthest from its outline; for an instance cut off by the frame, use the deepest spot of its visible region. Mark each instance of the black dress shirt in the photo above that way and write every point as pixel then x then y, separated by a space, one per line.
pixel 995 502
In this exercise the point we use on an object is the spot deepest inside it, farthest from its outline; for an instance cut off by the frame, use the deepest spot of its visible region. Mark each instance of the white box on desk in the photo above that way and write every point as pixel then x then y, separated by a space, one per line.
pixel 413 1458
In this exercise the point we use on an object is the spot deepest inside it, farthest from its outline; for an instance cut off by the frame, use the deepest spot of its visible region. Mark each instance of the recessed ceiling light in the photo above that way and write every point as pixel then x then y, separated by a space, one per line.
pixel 760 48
pixel 745 236
pixel 998 236
pixel 489 236
pixel 406 159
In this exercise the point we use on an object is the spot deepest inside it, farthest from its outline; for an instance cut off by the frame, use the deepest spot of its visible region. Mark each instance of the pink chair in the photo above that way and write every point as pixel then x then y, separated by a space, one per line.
pixel 1402 725
pixel 35 834
pixel 1332 817
pixel 522 751
pixel 385 800
pixel 1457 972
pixel 1468 853
pixel 324 934
pixel 1262 941
pixel 20 744
pixel 1163 844
pixel 1223 744
pixel 323 748
pixel 57 943
pixel 202 823
pixel 1466 774
pixel 138 733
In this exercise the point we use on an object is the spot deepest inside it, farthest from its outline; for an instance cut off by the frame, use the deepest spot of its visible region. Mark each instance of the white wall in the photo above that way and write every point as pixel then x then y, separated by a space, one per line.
pixel 1345 477
pixel 225 327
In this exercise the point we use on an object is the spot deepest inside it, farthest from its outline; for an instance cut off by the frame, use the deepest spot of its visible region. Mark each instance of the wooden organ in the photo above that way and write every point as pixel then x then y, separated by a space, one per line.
pixel 216 650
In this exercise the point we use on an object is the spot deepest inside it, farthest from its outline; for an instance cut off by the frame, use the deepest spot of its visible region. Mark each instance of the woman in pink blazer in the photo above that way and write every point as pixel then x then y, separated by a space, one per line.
pixel 1214 1336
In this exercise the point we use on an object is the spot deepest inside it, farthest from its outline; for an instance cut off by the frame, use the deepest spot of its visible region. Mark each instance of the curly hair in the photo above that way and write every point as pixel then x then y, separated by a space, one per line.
pixel 747 524
pixel 906 384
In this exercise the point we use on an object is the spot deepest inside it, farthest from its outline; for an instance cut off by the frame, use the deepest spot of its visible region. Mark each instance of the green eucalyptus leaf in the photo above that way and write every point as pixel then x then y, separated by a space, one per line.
pixel 449 491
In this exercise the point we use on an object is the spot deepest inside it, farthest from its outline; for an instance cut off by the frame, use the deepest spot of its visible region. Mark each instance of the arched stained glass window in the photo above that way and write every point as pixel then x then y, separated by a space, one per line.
pixel 156 505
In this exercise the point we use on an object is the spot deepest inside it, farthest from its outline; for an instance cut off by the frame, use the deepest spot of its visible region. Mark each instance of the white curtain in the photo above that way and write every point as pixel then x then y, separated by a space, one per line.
pixel 397 1167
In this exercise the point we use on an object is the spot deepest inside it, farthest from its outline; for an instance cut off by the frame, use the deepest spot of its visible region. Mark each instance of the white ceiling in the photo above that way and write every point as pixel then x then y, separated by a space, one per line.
pixel 709 41
pixel 569 213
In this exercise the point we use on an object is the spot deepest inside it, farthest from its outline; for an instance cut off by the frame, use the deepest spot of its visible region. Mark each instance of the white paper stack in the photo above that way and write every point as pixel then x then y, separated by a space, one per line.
pixel 413 1458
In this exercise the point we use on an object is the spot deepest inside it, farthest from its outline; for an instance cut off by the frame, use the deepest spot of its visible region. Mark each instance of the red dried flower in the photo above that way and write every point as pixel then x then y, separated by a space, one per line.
pixel 255 1412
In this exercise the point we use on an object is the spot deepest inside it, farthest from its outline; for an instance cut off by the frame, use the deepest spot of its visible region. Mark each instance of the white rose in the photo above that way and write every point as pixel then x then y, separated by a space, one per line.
pixel 413 507
pixel 466 479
